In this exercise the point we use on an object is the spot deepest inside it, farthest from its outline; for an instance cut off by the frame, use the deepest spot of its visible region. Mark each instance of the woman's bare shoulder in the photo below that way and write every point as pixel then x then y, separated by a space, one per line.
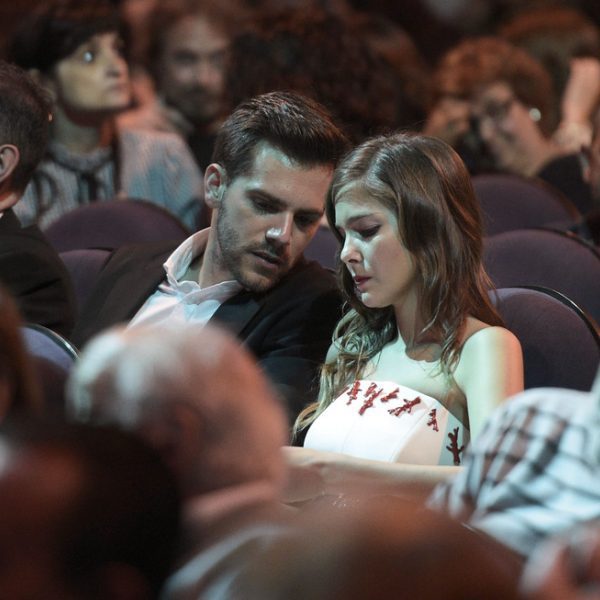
pixel 478 333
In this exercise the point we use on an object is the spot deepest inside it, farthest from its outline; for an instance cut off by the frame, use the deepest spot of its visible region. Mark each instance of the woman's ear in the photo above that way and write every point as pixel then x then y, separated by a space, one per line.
pixel 215 184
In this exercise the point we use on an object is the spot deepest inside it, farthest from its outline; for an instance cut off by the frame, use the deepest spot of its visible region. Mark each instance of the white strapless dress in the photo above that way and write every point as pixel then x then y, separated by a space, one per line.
pixel 382 420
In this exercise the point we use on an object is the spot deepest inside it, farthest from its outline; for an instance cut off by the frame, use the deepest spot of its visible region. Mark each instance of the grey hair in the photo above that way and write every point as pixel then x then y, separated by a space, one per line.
pixel 132 377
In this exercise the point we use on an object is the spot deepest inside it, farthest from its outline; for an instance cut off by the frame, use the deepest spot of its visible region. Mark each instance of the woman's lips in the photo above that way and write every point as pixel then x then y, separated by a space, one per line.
pixel 360 281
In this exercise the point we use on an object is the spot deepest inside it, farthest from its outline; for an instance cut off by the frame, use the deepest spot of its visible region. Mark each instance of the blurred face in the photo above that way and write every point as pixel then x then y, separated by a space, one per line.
pixel 192 69
pixel 266 218
pixel 383 269
pixel 94 78
pixel 507 127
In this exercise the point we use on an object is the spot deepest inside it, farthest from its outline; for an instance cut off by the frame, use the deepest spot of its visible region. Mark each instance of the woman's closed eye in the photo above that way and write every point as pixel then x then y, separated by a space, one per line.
pixel 368 232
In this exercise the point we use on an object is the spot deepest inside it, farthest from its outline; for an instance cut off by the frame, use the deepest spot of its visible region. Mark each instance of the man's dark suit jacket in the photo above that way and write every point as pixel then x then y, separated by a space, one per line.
pixel 32 271
pixel 288 328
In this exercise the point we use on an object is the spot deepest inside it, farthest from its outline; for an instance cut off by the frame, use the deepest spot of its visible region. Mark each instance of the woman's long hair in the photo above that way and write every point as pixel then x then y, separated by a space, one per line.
pixel 425 184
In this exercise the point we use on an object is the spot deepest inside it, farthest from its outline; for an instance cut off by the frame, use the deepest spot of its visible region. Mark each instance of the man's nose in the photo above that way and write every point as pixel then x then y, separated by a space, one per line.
pixel 281 229
pixel 206 73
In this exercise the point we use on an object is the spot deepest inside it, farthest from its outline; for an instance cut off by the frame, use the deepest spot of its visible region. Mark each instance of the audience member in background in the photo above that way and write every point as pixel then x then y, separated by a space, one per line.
pixel 408 68
pixel 188 58
pixel 75 49
pixel 29 267
pixel 320 54
pixel 200 399
pixel 534 472
pixel 273 161
pixel 385 549
pixel 84 513
pixel 420 360
pixel 563 39
pixel 494 99
pixel 19 393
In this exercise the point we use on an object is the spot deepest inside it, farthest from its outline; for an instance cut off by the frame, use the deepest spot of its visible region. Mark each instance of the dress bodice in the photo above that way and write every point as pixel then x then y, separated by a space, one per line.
pixel 382 420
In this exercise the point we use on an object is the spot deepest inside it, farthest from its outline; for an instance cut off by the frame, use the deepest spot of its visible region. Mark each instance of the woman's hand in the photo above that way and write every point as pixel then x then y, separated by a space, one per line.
pixel 314 473
pixel 582 91
pixel 580 100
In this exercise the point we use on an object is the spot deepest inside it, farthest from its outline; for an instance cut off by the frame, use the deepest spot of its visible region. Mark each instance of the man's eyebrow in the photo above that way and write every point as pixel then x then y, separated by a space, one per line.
pixel 279 203
pixel 257 193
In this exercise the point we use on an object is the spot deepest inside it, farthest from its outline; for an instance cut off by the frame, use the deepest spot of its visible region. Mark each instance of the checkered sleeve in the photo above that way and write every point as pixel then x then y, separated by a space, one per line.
pixel 533 471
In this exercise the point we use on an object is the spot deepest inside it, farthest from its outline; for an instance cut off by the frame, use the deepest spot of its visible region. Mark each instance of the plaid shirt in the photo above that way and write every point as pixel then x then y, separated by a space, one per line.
pixel 533 472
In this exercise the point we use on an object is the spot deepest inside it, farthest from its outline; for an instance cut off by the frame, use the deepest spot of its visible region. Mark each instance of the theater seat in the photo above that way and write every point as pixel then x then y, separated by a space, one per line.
pixel 114 223
pixel 561 347
pixel 53 357
pixel 545 258
pixel 511 202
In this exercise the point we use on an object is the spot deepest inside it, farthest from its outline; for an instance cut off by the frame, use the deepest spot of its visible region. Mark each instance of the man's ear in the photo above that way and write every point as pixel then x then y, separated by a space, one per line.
pixel 215 183
pixel 9 159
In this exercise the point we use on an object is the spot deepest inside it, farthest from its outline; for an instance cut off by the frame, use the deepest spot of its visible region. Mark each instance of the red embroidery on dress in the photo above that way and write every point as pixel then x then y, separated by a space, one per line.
pixel 393 394
pixel 406 407
pixel 433 420
pixel 352 394
pixel 370 395
pixel 453 447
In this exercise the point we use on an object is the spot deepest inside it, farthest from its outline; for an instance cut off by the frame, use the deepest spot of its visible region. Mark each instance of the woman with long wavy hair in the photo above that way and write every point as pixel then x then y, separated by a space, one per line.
pixel 420 358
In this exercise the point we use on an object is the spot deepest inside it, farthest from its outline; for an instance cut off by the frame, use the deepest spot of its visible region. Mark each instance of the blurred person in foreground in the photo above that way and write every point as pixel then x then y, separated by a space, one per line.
pixel 19 391
pixel 565 567
pixel 201 400
pixel 383 549
pixel 85 512
pixel 534 472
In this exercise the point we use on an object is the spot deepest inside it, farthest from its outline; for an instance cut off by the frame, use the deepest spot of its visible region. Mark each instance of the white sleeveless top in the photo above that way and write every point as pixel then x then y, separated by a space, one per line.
pixel 382 420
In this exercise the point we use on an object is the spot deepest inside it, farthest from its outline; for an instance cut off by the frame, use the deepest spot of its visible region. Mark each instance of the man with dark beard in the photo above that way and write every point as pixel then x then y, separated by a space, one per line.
pixel 188 58
pixel 273 162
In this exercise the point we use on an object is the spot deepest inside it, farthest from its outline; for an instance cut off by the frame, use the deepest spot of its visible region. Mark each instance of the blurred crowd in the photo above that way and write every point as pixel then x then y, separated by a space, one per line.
pixel 167 467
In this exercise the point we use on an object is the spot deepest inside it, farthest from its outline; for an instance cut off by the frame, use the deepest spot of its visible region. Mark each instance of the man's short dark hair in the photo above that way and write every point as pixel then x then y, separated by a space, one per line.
pixel 24 120
pixel 296 125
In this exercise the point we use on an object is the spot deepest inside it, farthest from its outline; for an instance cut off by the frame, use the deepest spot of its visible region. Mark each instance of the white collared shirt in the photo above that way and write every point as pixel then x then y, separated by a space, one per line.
pixel 181 301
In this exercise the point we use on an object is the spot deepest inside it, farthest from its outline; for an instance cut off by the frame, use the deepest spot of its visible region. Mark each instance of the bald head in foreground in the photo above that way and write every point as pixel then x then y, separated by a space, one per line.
pixel 197 396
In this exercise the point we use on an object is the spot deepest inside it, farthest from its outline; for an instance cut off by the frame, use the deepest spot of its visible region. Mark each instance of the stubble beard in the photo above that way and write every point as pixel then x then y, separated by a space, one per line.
pixel 232 254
